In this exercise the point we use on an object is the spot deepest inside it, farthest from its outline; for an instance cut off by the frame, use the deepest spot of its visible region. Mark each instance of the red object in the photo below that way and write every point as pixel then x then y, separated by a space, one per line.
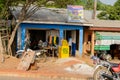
pixel 116 69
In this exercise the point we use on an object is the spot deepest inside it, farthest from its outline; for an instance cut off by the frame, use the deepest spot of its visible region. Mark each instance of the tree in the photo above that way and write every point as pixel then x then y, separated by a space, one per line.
pixel 103 15
pixel 117 3
pixel 63 3
pixel 111 13
pixel 80 2
pixel 4 15
pixel 28 8
pixel 101 6
pixel 89 4
pixel 25 13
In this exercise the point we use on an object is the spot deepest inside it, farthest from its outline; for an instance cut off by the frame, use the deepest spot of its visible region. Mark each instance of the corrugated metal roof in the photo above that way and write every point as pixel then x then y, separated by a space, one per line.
pixel 43 14
pixel 47 15
pixel 59 16
pixel 50 15
pixel 105 23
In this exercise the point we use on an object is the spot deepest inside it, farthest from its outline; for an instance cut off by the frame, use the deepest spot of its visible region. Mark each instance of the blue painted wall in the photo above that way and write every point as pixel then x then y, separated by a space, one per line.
pixel 60 27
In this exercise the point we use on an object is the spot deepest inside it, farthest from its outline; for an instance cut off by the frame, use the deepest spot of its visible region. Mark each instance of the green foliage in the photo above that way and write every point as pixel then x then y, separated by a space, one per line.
pixel 80 2
pixel 117 3
pixel 63 3
pixel 5 4
pixel 41 2
pixel 101 6
pixel 2 2
pixel 50 4
pixel 3 8
pixel 89 4
pixel 103 15
pixel 112 12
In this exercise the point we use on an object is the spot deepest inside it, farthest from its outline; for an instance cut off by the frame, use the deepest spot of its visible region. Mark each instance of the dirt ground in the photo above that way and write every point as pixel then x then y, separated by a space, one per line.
pixel 73 68
pixel 12 62
pixel 54 67
pixel 9 63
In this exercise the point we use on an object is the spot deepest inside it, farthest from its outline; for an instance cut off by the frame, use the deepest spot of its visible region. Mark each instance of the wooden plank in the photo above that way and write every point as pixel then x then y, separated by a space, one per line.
pixel 27 59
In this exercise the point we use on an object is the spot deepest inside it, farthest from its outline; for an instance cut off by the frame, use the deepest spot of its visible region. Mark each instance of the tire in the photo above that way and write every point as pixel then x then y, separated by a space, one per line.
pixel 18 56
pixel 99 71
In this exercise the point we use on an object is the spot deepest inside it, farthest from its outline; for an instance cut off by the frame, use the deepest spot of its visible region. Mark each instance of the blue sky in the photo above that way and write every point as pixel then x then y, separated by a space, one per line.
pixel 110 2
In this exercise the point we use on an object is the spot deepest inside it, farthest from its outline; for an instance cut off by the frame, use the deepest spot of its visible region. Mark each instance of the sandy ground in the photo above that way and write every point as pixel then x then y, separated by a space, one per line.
pixel 9 63
pixel 55 67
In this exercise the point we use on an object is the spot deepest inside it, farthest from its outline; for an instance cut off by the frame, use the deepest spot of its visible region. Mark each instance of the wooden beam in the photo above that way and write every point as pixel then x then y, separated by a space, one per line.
pixel 104 29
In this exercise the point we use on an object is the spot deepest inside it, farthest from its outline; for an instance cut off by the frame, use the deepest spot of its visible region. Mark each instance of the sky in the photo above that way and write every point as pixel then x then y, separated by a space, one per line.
pixel 109 2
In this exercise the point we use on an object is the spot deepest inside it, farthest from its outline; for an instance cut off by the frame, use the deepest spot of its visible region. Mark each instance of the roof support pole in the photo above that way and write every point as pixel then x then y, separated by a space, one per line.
pixel 92 43
pixel 23 32
pixel 60 36
pixel 81 41
pixel 94 10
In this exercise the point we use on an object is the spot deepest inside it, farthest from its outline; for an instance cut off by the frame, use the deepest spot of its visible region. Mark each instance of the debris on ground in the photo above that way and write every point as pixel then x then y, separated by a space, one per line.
pixel 69 61
pixel 80 69
pixel 27 59
pixel 75 65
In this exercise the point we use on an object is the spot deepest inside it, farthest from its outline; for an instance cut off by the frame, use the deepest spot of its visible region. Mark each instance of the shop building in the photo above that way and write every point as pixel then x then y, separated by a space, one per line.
pixel 104 35
pixel 45 23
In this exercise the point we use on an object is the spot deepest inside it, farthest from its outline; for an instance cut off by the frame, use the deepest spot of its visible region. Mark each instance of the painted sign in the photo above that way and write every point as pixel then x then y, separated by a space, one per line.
pixel 75 13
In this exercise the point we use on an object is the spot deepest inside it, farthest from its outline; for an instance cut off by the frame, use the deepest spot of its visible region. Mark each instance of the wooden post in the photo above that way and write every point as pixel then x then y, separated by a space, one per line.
pixel 94 10
pixel 93 43
pixel 85 42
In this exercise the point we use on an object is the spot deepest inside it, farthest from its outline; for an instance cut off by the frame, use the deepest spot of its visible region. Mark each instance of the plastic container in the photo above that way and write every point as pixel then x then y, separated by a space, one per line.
pixel 63 51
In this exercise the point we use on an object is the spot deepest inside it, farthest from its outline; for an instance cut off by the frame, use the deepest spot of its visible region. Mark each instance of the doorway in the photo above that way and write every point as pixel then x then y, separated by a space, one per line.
pixel 35 37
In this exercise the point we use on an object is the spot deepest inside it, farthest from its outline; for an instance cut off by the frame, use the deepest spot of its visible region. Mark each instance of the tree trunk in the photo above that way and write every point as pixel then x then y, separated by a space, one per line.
pixel 12 38
pixel 23 15
pixel 1 50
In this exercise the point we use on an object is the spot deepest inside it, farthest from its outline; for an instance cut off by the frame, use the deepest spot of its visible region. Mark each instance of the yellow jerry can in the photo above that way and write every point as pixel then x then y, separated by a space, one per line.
pixel 64 52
